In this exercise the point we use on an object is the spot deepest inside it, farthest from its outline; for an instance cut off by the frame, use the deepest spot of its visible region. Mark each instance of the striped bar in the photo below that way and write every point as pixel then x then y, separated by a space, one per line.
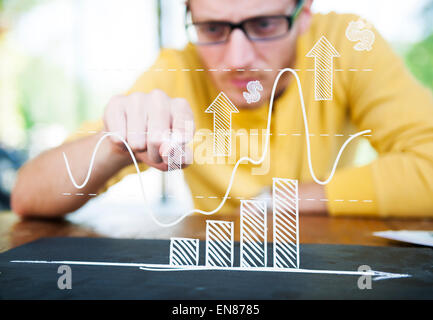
pixel 175 157
pixel 219 243
pixel 184 252
pixel 253 234
pixel 285 216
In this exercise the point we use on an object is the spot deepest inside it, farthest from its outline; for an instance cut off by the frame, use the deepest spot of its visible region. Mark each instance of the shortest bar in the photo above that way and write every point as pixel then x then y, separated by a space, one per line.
pixel 184 252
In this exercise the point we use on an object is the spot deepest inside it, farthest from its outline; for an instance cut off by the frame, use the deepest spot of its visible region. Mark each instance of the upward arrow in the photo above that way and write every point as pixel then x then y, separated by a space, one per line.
pixel 222 108
pixel 323 53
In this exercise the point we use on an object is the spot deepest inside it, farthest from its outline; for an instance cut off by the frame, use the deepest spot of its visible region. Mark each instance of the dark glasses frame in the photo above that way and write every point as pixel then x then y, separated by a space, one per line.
pixel 241 25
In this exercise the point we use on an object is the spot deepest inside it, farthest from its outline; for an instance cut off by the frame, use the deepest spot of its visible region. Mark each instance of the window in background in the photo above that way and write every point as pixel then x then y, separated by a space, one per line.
pixel 60 62
pixel 69 57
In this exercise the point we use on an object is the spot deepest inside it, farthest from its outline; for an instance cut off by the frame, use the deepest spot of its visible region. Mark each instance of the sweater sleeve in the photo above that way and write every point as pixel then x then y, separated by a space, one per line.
pixel 399 112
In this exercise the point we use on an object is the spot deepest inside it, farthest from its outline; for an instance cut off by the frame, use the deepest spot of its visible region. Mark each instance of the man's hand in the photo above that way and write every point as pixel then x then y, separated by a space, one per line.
pixel 145 122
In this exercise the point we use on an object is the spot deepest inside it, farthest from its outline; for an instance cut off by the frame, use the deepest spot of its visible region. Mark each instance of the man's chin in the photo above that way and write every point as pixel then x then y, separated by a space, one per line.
pixel 250 106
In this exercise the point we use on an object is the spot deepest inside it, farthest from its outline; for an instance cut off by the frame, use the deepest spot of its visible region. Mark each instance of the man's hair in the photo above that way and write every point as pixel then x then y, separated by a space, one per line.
pixel 188 8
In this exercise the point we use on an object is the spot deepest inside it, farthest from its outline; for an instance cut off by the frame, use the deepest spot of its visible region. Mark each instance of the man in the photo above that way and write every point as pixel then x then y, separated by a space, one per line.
pixel 371 90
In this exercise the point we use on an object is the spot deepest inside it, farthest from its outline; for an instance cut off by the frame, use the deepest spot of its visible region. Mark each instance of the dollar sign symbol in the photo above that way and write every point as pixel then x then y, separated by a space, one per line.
pixel 253 94
pixel 360 31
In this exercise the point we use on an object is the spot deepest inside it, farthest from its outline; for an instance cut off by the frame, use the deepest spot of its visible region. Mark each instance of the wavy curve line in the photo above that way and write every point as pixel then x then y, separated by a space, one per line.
pixel 256 162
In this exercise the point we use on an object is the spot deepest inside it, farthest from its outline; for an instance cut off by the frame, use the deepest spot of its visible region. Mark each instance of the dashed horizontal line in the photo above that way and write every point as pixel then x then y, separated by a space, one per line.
pixel 221 70
pixel 238 133
pixel 237 198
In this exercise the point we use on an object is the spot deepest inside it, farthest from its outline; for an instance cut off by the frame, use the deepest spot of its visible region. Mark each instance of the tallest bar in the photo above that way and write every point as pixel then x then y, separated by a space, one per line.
pixel 285 223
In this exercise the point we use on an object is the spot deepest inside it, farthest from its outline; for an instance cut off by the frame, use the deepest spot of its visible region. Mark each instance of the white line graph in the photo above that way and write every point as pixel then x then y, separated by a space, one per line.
pixel 242 159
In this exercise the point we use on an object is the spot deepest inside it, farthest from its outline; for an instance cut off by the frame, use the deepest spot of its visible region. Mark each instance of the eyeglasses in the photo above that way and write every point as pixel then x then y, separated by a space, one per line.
pixel 263 28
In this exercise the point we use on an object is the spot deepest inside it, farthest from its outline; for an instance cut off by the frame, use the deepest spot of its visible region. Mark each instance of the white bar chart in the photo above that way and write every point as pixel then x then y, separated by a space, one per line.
pixel 219 255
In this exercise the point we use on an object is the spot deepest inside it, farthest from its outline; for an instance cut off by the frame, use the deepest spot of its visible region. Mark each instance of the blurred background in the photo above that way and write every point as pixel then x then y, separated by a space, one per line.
pixel 61 61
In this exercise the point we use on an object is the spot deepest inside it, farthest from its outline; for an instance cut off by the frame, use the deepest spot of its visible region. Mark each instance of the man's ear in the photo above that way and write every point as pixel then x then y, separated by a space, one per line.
pixel 305 16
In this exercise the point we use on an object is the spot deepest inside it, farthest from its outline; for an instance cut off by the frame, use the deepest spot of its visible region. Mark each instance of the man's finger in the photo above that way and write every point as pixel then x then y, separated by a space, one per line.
pixel 115 120
pixel 182 120
pixel 158 125
pixel 136 124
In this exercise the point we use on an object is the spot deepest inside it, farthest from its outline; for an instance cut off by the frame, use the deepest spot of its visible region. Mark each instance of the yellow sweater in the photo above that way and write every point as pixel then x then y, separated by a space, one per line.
pixel 371 90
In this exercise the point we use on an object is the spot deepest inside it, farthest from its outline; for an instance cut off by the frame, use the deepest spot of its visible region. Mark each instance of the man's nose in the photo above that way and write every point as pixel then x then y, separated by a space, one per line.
pixel 239 53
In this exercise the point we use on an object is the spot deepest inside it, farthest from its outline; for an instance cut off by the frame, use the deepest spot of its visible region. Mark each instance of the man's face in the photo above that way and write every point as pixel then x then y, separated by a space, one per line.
pixel 239 53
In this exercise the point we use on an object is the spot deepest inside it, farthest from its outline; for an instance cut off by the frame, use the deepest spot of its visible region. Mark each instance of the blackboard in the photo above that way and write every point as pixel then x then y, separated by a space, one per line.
pixel 39 281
